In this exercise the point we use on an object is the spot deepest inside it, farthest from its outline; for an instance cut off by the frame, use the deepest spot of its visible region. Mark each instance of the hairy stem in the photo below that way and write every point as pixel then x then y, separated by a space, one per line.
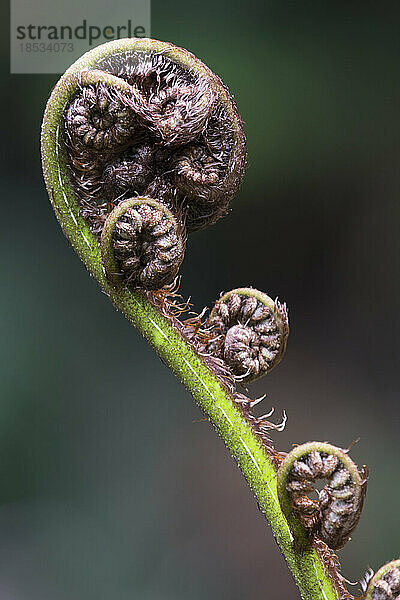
pixel 211 395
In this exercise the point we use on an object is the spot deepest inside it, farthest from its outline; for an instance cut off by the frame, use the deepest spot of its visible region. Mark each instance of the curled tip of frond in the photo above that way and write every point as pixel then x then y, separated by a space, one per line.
pixel 249 332
pixel 163 130
pixel 385 583
pixel 334 516
pixel 142 244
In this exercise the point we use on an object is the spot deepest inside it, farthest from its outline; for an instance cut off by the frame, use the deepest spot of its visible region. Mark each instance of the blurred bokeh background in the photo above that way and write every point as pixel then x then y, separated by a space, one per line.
pixel 109 486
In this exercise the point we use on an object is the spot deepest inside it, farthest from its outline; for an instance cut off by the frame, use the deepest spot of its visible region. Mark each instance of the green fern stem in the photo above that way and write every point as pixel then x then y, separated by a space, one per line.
pixel 210 394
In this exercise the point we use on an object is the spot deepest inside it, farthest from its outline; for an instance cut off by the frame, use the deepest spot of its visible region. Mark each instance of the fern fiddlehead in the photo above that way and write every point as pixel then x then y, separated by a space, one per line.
pixel 249 332
pixel 142 244
pixel 142 145
pixel 385 583
pixel 335 514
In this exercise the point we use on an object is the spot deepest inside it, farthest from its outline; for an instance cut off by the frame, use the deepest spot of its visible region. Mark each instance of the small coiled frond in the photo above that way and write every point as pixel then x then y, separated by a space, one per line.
pixel 248 331
pixel 142 244
pixel 334 515
pixel 385 584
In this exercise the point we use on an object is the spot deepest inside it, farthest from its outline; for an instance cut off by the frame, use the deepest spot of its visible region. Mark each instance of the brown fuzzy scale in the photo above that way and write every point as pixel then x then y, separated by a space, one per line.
pixel 86 172
pixel 148 246
pixel 150 72
pixel 331 565
pixel 129 173
pixel 332 517
pixel 248 335
pixel 161 187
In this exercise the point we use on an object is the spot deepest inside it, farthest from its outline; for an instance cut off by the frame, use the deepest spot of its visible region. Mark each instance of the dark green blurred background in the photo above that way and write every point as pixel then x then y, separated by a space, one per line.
pixel 109 487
